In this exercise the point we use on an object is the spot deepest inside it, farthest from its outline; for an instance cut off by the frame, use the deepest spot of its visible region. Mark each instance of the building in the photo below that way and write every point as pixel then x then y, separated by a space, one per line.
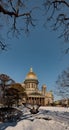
pixel 62 102
pixel 34 95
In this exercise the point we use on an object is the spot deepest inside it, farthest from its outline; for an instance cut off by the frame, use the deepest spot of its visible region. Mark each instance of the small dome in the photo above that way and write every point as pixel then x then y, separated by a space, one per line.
pixel 31 75
pixel 43 86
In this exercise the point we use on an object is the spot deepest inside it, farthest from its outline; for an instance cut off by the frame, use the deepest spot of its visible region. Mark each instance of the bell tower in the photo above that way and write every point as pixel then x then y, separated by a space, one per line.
pixel 44 89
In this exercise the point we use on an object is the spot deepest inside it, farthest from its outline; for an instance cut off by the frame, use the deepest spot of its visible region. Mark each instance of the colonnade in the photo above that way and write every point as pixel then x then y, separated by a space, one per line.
pixel 36 100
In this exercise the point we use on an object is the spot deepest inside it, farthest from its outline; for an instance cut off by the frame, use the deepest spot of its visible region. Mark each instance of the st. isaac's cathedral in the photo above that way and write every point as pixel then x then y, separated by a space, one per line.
pixel 34 95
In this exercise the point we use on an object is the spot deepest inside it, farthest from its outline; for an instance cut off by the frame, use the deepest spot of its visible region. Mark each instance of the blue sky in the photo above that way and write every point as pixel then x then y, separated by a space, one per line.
pixel 42 50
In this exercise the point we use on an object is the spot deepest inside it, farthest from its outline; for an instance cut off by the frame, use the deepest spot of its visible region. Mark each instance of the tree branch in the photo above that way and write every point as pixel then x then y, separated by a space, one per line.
pixel 3 46
pixel 61 2
pixel 4 11
pixel 11 13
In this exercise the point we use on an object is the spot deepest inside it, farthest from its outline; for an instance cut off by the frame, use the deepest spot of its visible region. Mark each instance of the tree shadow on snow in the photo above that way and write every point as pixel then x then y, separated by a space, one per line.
pixel 9 117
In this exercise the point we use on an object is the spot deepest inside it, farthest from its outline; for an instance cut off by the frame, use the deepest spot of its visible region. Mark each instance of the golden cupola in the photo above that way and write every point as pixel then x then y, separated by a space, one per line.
pixel 31 75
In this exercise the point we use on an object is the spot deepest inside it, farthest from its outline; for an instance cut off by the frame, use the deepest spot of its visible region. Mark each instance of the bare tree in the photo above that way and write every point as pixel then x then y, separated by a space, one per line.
pixel 3 46
pixel 5 82
pixel 15 16
pixel 63 84
pixel 22 96
pixel 10 92
pixel 58 11
pixel 11 97
pixel 57 16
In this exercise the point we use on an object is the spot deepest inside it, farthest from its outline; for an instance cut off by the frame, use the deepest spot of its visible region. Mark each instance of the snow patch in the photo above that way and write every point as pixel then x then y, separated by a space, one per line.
pixel 48 118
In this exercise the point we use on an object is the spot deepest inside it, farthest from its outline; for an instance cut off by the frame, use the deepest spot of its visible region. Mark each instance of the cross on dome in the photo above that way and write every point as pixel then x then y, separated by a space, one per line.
pixel 31 70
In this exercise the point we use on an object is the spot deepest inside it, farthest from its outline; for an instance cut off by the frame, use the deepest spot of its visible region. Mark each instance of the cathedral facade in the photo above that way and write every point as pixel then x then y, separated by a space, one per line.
pixel 34 95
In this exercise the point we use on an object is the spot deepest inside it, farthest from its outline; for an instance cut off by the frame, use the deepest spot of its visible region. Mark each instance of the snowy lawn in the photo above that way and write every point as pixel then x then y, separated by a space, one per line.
pixel 48 118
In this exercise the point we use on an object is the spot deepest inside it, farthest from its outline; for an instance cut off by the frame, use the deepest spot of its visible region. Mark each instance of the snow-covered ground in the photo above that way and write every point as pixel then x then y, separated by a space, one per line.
pixel 48 118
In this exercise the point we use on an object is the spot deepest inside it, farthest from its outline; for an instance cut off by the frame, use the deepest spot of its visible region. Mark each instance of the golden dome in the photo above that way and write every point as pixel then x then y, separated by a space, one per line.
pixel 31 75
